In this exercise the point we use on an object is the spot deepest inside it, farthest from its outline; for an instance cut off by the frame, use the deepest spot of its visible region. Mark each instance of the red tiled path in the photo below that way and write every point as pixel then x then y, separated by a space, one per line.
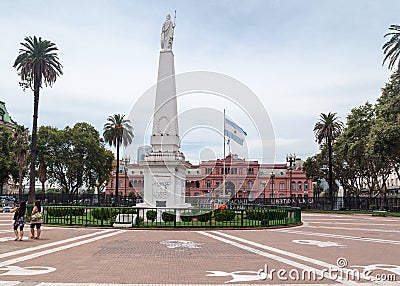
pixel 113 256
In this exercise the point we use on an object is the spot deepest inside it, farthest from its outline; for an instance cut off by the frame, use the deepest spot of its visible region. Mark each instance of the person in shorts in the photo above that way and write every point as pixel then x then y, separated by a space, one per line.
pixel 19 220
pixel 36 222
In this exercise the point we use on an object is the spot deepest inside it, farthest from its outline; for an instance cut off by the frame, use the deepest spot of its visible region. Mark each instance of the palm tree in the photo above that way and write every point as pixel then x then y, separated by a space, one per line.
pixel 36 63
pixel 392 47
pixel 326 130
pixel 20 139
pixel 42 172
pixel 118 131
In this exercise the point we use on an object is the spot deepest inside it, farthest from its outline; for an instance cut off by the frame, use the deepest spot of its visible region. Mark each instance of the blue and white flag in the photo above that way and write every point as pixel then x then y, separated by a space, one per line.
pixel 234 132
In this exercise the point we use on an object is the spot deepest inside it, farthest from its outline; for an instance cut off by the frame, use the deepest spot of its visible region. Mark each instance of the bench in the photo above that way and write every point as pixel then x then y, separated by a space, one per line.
pixel 125 220
pixel 379 213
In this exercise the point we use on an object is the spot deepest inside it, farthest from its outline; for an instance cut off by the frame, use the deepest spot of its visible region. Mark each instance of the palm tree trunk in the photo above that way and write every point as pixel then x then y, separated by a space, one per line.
pixel 20 183
pixel 117 173
pixel 32 174
pixel 330 175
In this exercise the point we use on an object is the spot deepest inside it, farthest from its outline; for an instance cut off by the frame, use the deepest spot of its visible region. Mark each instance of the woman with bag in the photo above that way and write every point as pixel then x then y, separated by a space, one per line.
pixel 19 220
pixel 36 220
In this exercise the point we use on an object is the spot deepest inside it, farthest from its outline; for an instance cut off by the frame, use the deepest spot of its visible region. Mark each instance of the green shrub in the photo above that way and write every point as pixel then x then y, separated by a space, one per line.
pixel 57 212
pixel 139 220
pixel 204 216
pixel 107 213
pixel 151 215
pixel 277 214
pixel 102 213
pixel 60 212
pixel 127 211
pixel 224 215
pixel 255 214
pixel 186 216
pixel 168 216
pixel 266 214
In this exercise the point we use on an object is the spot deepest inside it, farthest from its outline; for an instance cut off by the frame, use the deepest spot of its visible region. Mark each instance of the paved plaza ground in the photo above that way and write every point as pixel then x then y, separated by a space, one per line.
pixel 360 244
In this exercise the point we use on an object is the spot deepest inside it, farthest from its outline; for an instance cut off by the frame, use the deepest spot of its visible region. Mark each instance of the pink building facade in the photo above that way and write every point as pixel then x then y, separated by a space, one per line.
pixel 243 179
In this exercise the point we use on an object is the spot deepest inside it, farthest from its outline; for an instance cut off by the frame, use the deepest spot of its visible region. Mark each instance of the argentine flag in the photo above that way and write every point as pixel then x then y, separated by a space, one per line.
pixel 234 131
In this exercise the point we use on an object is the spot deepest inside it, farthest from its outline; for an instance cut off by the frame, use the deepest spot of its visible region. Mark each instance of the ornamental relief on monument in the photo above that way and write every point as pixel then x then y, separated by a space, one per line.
pixel 160 187
pixel 163 125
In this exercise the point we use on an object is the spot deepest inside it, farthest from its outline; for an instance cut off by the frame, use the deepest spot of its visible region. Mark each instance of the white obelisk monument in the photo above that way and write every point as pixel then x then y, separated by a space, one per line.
pixel 165 169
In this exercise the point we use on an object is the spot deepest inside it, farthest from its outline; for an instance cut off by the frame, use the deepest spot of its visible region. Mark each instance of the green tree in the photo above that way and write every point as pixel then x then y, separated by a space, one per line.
pixel 53 155
pixel 387 128
pixel 391 48
pixel 8 166
pixel 75 157
pixel 36 63
pixel 20 138
pixel 118 131
pixel 102 166
pixel 314 169
pixel 326 130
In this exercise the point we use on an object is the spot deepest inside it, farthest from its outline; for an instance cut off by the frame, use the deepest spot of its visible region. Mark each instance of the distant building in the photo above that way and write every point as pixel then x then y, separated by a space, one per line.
pixel 5 118
pixel 247 179
pixel 142 151
pixel 130 183
pixel 243 179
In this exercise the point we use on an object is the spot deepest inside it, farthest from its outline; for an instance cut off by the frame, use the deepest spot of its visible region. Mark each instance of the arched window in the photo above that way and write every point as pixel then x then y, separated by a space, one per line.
pixel 306 186
pixel 293 185
pixel 299 186
pixel 135 183
pixel 249 184
pixel 281 185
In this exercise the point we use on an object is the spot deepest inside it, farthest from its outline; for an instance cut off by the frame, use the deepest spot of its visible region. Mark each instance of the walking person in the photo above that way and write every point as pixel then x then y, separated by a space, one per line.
pixel 19 220
pixel 36 220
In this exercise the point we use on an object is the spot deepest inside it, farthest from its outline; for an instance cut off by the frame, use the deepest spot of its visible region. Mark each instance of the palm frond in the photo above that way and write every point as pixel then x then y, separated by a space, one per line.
pixel 391 48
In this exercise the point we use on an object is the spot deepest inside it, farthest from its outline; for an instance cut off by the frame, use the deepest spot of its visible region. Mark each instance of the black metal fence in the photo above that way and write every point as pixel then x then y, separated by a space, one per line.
pixel 263 216
pixel 337 203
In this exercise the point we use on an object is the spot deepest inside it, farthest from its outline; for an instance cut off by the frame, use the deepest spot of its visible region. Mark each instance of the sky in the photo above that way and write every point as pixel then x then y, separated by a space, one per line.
pixel 298 58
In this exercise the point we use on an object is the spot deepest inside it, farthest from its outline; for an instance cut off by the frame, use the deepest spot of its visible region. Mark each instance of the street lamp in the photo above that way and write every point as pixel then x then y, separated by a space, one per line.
pixel 290 159
pixel 126 160
pixel 272 174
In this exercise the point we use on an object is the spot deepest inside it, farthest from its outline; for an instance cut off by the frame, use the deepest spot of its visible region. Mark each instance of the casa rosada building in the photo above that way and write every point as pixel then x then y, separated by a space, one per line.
pixel 243 179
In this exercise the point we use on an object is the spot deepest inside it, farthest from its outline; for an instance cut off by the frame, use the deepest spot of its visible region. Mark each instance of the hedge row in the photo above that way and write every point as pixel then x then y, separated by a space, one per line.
pixel 224 215
pixel 266 214
pixel 169 216
pixel 108 213
pixel 60 212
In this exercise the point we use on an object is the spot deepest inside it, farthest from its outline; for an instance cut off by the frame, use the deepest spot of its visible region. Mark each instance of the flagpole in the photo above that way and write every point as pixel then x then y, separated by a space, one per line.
pixel 223 171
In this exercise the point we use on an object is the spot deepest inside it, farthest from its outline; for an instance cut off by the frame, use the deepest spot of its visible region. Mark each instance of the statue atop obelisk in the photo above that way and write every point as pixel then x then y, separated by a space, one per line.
pixel 165 166
pixel 167 33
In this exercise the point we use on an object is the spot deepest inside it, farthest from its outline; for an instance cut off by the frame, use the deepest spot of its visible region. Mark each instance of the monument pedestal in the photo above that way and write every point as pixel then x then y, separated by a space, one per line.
pixel 165 180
